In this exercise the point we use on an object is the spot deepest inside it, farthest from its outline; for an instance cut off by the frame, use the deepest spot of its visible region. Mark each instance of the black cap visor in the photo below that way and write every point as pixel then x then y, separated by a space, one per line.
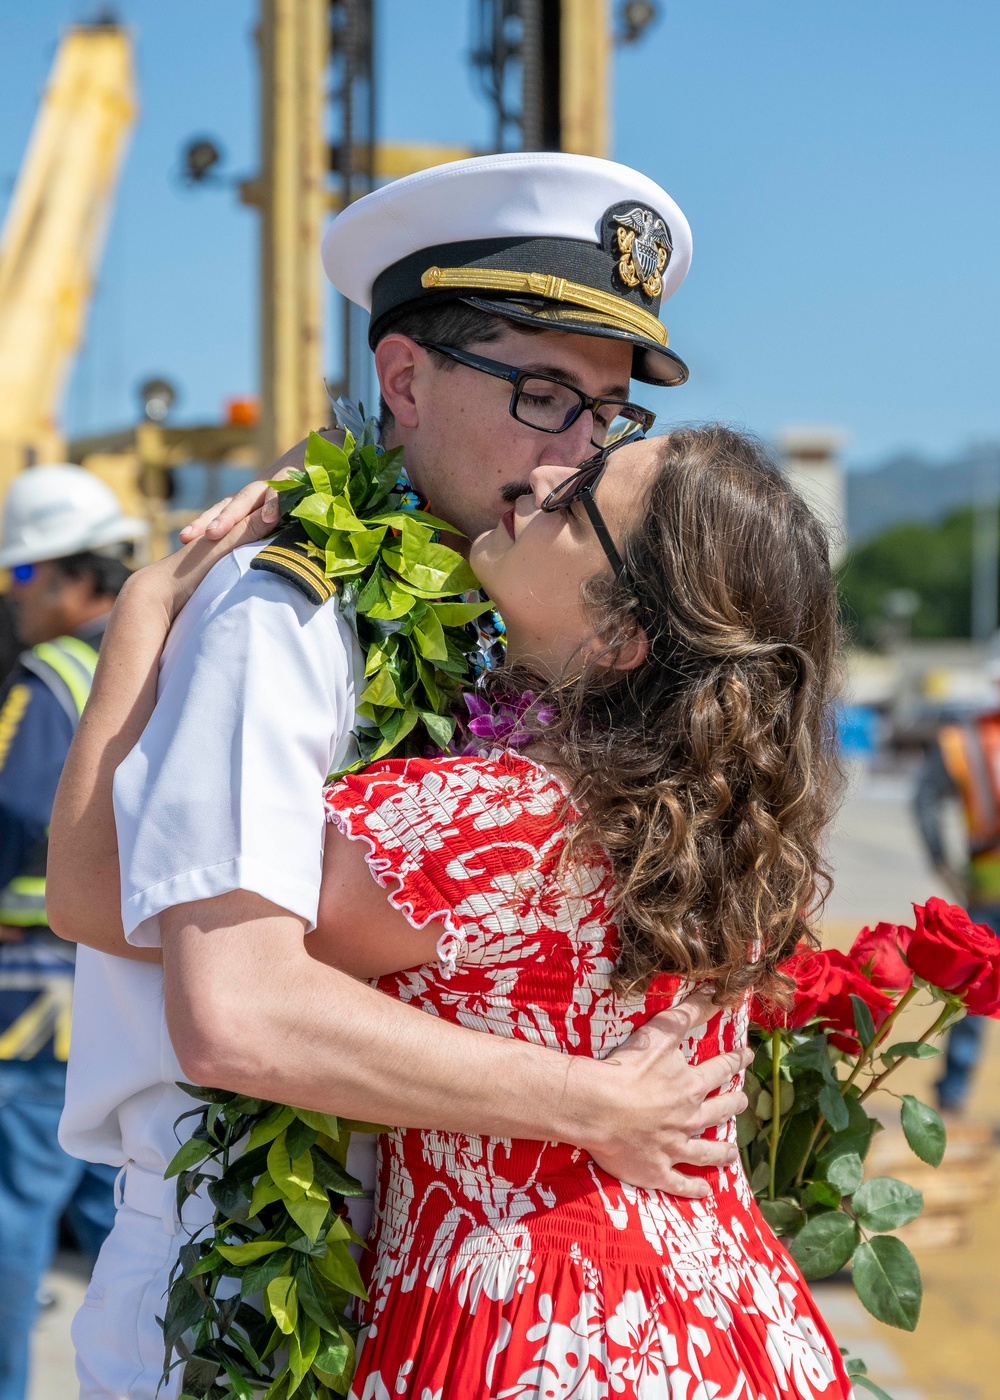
pixel 651 363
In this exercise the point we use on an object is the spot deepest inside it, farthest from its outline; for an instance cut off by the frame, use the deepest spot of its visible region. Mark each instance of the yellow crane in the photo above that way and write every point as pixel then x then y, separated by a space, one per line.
pixel 54 233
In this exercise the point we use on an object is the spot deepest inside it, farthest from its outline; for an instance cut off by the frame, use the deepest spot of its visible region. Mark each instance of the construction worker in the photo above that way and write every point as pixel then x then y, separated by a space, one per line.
pixel 964 765
pixel 63 539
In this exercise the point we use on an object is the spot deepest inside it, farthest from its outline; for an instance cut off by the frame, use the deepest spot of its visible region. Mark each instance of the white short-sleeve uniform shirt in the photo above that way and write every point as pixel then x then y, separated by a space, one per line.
pixel 224 791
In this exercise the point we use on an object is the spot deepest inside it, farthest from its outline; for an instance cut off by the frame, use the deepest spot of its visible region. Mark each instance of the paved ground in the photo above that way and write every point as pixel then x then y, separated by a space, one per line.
pixel 53 1376
pixel 955 1352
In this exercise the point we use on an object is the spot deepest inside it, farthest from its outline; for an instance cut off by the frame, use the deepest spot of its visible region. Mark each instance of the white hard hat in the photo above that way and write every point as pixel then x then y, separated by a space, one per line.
pixel 53 511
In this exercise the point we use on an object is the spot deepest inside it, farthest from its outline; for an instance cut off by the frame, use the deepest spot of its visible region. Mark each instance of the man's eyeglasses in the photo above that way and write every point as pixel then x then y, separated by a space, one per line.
pixel 580 487
pixel 550 405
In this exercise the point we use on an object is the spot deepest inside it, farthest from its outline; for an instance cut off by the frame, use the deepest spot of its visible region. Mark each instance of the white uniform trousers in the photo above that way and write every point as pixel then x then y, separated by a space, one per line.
pixel 118 1341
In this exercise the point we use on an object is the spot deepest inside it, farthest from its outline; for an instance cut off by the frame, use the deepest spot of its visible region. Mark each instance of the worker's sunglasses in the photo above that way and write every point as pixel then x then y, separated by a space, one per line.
pixel 580 487
pixel 551 406
pixel 23 573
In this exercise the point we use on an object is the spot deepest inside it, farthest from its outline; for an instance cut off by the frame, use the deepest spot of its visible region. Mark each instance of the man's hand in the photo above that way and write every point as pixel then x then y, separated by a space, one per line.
pixel 658 1104
pixel 218 520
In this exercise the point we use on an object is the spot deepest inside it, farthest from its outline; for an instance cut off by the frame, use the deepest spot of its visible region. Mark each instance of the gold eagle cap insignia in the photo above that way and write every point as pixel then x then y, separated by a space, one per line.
pixel 645 248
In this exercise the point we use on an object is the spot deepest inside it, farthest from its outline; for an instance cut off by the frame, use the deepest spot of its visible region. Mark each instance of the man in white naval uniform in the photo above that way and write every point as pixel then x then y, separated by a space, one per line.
pixel 506 264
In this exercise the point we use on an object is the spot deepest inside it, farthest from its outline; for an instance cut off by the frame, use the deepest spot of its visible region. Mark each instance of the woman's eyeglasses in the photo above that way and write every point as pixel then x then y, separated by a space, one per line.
pixel 551 406
pixel 580 487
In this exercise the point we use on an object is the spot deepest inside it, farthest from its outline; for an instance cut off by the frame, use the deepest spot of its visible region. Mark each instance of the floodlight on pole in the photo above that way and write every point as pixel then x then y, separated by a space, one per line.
pixel 635 17
pixel 156 398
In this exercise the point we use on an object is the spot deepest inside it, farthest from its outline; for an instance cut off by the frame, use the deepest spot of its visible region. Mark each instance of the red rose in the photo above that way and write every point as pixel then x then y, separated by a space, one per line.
pixel 983 997
pixel 878 955
pixel 824 985
pixel 768 1014
pixel 950 951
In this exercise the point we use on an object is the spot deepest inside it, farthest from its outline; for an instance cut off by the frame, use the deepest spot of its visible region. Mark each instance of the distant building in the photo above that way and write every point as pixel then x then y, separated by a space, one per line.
pixel 811 459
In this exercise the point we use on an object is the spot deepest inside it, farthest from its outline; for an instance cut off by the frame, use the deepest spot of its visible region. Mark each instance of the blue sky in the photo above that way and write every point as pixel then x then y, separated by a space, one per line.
pixel 837 161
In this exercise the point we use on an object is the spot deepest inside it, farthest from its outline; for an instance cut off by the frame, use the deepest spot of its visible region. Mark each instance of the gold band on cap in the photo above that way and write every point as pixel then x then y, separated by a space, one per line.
pixel 620 312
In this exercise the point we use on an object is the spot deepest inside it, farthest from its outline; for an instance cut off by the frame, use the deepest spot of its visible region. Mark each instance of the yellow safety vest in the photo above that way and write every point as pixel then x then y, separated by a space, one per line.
pixel 67 667
pixel 971 754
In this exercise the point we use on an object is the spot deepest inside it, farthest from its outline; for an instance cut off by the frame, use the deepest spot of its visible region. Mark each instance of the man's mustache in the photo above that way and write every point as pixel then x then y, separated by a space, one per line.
pixel 513 489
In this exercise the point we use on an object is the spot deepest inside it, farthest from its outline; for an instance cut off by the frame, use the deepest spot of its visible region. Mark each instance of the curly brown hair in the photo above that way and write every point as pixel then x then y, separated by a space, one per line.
pixel 708 773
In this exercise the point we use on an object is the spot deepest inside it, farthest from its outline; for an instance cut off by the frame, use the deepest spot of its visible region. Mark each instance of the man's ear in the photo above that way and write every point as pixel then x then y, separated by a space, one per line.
pixel 631 653
pixel 396 364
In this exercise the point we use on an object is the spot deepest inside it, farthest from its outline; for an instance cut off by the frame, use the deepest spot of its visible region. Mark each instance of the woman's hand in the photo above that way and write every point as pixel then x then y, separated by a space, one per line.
pixel 216 522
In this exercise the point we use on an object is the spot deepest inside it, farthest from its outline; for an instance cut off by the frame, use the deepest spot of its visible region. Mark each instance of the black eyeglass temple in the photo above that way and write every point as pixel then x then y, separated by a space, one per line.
pixel 601 531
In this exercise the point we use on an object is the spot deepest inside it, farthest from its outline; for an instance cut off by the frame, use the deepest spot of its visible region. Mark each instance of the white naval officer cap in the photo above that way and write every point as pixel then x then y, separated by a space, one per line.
pixel 565 242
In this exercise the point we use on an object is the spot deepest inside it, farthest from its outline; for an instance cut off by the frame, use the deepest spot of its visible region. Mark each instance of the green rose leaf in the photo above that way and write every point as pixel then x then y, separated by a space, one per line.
pixel 822 1193
pixel 833 1108
pixel 746 1128
pixel 783 1215
pixel 883 1203
pixel 924 1130
pixel 911 1049
pixel 863 1023
pixel 824 1244
pixel 846 1173
pixel 887 1280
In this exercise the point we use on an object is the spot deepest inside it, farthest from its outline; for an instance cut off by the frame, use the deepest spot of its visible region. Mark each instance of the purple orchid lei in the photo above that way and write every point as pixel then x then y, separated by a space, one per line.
pixel 498 724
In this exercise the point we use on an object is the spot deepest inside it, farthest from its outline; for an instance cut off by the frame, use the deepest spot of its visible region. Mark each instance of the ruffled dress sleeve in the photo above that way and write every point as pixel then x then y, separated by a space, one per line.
pixel 406 812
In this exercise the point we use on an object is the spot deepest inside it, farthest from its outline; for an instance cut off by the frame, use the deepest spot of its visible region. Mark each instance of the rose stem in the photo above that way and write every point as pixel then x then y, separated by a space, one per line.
pixel 880 1035
pixel 931 1030
pixel 775 1109
pixel 863 1059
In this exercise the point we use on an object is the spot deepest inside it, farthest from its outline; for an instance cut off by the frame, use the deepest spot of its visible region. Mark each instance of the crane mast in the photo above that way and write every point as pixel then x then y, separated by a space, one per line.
pixel 54 233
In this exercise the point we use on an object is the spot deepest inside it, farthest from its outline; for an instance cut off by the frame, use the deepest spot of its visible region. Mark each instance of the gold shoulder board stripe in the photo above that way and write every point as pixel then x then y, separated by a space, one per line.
pixel 290 561
pixel 620 312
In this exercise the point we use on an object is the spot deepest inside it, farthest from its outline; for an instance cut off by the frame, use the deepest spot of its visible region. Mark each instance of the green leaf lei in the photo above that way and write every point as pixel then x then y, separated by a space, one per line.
pixel 258 1307
pixel 399 586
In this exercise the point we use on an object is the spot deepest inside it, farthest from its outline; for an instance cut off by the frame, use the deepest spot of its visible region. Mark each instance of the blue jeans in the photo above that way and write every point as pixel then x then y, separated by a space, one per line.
pixel 38 1182
pixel 965 1040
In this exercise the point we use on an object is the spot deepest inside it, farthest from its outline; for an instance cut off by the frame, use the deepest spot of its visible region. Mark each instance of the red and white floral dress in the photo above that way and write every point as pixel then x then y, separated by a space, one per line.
pixel 515 1269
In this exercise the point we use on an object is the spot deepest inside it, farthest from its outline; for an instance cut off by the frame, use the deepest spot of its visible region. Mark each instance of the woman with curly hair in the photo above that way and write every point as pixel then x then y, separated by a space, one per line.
pixel 650 828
